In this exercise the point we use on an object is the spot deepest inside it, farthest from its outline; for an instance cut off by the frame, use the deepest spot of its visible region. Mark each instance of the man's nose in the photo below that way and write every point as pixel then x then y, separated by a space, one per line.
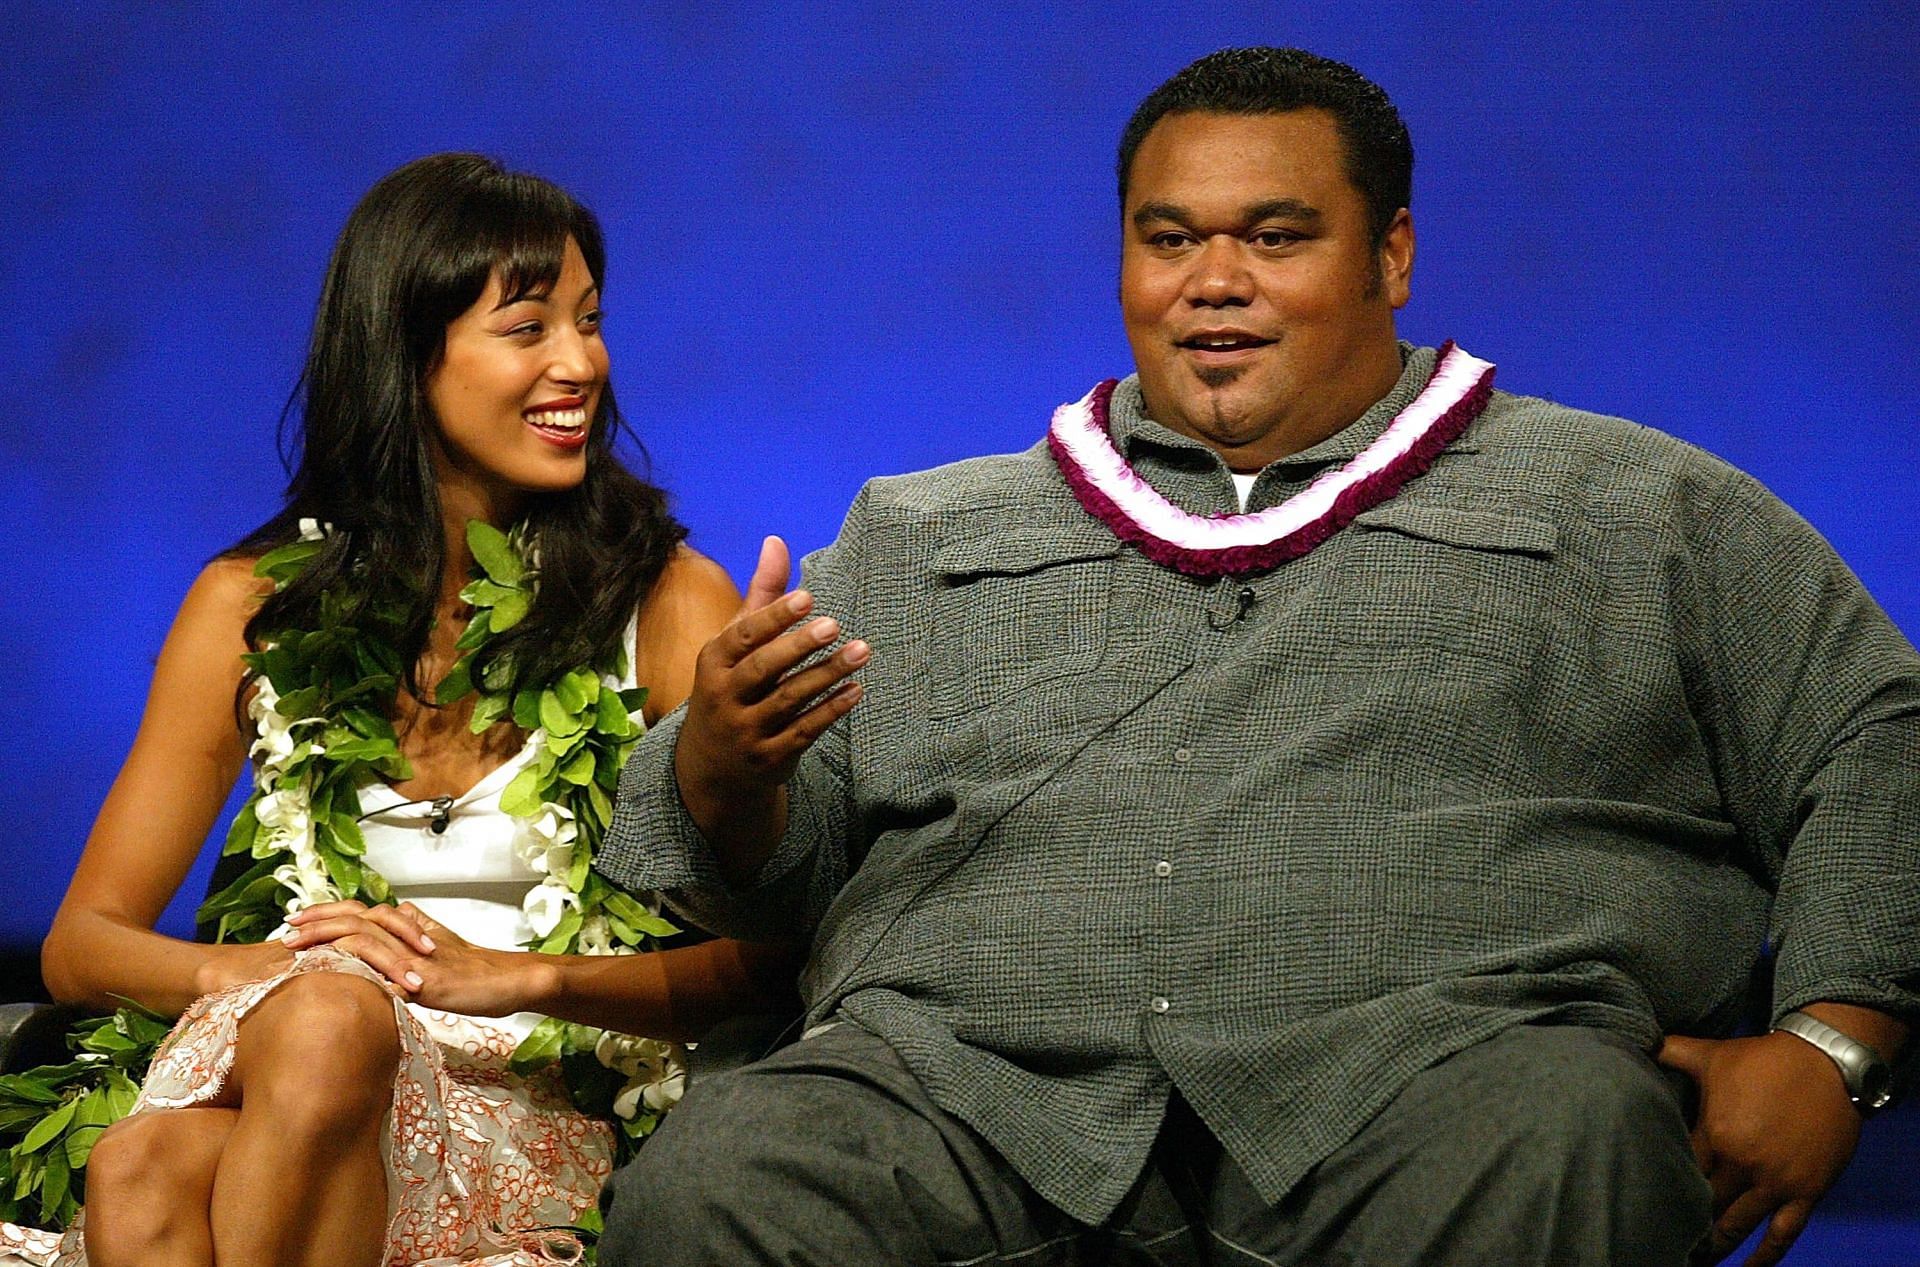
pixel 1220 275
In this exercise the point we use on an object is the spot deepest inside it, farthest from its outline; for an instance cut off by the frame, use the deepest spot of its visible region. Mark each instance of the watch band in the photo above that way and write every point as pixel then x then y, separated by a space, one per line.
pixel 1868 1078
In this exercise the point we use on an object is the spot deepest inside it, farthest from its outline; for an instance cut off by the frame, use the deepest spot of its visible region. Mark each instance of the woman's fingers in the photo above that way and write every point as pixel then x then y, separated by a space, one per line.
pixel 409 928
pixel 366 940
pixel 326 910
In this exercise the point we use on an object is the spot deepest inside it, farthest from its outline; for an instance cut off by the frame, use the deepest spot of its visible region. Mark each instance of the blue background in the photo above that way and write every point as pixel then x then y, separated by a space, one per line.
pixel 863 240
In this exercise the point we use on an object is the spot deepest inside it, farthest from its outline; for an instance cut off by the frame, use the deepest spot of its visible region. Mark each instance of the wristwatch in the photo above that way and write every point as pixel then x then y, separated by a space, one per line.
pixel 1869 1079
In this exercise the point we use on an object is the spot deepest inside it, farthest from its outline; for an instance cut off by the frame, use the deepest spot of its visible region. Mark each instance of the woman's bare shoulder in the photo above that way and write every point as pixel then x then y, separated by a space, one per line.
pixel 692 581
pixel 693 600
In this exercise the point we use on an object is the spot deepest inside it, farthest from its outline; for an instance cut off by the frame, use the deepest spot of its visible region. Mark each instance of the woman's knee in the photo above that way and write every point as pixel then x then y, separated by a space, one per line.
pixel 323 1048
pixel 150 1175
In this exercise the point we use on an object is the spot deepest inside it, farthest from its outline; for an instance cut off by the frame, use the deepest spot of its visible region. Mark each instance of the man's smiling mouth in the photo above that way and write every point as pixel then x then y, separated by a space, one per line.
pixel 1222 342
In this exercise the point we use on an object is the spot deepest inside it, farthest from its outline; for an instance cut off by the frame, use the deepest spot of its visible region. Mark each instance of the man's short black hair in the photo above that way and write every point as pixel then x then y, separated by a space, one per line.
pixel 1276 80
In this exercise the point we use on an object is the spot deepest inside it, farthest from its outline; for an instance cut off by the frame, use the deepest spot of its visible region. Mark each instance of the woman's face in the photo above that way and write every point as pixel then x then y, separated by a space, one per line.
pixel 517 387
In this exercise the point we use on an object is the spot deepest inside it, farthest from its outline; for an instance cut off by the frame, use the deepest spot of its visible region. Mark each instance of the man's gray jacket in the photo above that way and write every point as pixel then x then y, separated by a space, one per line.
pixel 1562 733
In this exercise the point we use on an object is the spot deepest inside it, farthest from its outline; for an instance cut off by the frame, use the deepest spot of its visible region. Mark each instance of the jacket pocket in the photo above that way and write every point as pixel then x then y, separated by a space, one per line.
pixel 1416 579
pixel 1017 615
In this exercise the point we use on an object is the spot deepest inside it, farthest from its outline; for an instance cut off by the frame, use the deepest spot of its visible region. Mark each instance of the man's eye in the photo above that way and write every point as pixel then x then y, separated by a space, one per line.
pixel 1275 238
pixel 1169 240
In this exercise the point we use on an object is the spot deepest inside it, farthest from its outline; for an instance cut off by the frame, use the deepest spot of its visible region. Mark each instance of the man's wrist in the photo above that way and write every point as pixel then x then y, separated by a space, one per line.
pixel 1865 1075
pixel 1887 1035
pixel 541 982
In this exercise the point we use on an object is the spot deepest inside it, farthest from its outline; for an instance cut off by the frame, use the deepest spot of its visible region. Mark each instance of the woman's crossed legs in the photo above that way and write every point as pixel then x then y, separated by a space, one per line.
pixel 285 1165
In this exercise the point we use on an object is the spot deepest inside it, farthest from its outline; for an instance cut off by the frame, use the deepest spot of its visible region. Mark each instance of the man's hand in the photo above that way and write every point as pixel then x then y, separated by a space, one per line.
pixel 752 716
pixel 1775 1130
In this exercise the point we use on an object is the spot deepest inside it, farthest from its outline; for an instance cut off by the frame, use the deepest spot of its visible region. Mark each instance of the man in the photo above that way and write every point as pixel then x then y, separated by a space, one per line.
pixel 1315 885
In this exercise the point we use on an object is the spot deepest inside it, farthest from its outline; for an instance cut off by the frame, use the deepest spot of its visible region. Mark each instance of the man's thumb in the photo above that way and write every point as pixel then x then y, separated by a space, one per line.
pixel 1689 1055
pixel 769 575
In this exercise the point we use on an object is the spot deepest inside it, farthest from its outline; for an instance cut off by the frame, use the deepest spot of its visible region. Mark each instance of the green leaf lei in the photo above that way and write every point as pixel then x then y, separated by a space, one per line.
pixel 322 733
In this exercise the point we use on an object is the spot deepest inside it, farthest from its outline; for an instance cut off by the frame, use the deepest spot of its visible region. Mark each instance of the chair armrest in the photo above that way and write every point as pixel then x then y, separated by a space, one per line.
pixel 31 1034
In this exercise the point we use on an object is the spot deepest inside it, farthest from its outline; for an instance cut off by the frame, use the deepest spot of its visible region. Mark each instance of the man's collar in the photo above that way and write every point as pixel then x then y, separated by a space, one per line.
pixel 1131 429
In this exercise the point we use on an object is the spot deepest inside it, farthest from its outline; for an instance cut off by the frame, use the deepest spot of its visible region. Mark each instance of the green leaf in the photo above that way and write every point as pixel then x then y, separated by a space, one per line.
pixel 526 709
pixel 579 771
pixel 495 555
pixel 375 886
pixel 601 802
pixel 638 916
pixel 511 609
pixel 499 674
pixel 79 1145
pixel 53 1187
pixel 490 709
pixel 283 563
pixel 571 693
pixel 458 684
pixel 368 723
pixel 522 795
pixel 560 745
pixel 121 1093
pixel 611 715
pixel 48 1128
pixel 347 836
pixel 345 872
pixel 25 1088
pixel 478 630
pixel 240 834
pixel 556 716
pixel 484 593
pixel 541 1046
pixel 561 938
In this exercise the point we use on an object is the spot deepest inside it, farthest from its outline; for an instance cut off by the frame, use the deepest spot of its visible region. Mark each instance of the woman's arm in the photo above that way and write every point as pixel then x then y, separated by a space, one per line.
pixel 675 994
pixel 169 791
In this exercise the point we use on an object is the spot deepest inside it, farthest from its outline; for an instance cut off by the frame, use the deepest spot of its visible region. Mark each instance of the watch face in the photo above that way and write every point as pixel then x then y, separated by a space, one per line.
pixel 1876 1085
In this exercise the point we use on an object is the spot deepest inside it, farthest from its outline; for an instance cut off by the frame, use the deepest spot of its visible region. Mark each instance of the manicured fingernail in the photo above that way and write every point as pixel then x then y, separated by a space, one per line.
pixel 426 941
pixel 290 938
pixel 296 917
pixel 414 980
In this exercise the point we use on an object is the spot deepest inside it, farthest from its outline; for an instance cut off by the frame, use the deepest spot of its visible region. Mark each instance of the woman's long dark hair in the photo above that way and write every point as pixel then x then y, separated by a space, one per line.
pixel 416 253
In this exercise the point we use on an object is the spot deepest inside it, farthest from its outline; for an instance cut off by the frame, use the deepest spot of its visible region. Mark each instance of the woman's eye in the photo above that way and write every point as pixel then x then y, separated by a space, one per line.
pixel 527 330
pixel 592 320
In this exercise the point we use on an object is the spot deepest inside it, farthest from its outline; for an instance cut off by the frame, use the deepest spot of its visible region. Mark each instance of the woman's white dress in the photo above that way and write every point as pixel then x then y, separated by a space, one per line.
pixel 479 1158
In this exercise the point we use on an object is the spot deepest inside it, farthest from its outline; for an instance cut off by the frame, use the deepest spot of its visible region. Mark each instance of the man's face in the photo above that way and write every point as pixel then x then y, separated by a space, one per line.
pixel 1261 316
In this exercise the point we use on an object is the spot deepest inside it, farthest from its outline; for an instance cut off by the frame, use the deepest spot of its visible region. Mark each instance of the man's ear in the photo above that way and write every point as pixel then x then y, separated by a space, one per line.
pixel 1396 259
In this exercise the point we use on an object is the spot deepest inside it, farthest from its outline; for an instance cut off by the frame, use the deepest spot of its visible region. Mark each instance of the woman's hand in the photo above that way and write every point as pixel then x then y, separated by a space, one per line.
pixel 228 966
pixel 434 966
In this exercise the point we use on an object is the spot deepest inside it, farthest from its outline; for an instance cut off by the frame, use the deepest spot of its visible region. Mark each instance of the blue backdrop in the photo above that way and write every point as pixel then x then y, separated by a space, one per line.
pixel 870 238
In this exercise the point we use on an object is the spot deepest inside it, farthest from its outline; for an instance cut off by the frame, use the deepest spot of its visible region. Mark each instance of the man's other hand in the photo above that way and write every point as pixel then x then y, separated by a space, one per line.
pixel 753 713
pixel 1775 1129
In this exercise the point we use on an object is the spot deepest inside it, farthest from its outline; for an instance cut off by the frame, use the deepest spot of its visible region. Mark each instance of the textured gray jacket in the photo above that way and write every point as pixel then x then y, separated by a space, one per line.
pixel 1559 734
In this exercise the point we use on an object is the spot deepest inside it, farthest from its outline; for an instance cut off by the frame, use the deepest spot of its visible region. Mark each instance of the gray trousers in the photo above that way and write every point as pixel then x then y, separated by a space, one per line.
pixel 1545 1145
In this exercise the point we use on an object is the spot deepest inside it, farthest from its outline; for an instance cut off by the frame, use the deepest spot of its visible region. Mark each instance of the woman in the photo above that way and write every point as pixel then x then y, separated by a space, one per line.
pixel 436 631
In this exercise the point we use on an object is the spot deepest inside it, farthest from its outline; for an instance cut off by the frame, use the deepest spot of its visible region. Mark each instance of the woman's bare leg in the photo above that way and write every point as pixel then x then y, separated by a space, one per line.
pixel 150 1188
pixel 301 1180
